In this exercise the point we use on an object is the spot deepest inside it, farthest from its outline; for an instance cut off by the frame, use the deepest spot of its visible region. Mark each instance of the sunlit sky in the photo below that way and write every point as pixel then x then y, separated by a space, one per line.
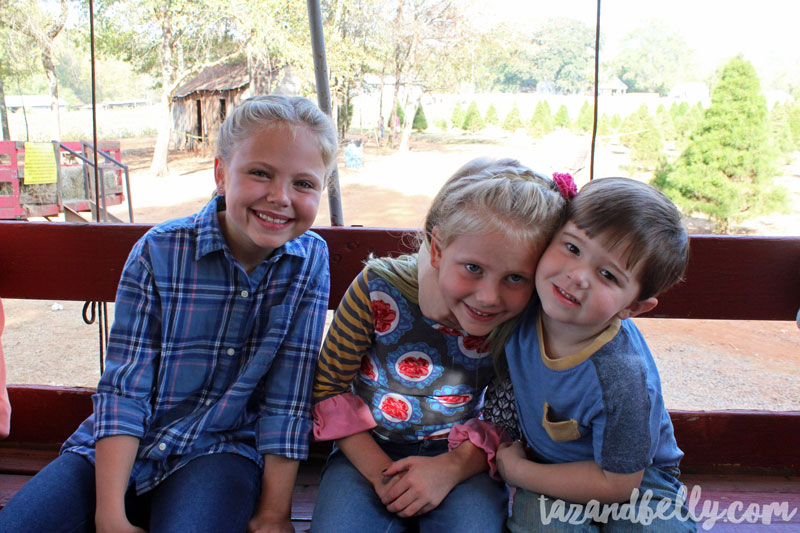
pixel 762 31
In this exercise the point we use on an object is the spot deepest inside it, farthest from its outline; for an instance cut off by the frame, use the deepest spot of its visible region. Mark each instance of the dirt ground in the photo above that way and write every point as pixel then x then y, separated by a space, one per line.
pixel 704 364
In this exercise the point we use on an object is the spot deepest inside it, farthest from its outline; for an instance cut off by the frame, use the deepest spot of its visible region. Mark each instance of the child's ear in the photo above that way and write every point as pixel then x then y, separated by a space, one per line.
pixel 219 175
pixel 637 308
pixel 436 251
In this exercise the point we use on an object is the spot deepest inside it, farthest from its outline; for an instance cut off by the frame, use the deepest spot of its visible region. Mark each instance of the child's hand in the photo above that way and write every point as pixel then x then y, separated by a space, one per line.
pixel 264 524
pixel 417 485
pixel 115 524
pixel 509 454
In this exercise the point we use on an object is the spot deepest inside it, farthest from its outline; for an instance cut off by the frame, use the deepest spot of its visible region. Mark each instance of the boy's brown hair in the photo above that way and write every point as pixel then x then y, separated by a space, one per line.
pixel 636 216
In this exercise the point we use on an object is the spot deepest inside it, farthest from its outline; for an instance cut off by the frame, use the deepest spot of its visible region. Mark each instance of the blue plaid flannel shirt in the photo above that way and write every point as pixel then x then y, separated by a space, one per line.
pixel 204 358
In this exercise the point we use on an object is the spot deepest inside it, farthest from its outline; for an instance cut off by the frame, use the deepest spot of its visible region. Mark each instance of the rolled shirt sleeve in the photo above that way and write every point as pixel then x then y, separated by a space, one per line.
pixel 122 403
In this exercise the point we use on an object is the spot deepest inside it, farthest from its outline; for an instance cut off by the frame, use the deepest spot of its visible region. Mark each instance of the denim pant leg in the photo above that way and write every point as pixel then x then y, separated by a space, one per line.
pixel 656 508
pixel 478 504
pixel 216 492
pixel 60 498
pixel 346 502
pixel 534 512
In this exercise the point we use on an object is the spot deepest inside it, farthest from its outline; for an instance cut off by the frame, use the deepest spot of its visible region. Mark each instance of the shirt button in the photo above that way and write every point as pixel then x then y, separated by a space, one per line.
pixel 162 446
pixel 208 402
pixel 231 351
pixel 245 294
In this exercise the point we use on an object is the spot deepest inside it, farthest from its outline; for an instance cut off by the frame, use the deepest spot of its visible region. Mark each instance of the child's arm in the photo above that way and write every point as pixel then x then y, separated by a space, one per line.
pixel 337 412
pixel 577 482
pixel 114 457
pixel 274 510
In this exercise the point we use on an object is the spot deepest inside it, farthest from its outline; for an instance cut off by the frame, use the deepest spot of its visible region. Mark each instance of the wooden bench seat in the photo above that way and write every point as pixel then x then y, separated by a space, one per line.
pixel 734 456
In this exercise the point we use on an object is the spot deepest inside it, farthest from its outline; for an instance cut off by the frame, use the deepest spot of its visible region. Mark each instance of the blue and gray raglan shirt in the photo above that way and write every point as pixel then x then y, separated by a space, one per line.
pixel 603 403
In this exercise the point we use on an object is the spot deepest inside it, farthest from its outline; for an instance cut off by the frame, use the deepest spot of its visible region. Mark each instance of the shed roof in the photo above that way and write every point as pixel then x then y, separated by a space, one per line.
pixel 226 77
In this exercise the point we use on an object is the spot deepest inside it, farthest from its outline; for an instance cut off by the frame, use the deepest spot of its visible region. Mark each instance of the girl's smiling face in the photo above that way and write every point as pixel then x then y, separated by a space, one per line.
pixel 484 280
pixel 272 185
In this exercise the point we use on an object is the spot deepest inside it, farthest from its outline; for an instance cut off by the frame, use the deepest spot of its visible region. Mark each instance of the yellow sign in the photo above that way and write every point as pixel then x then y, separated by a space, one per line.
pixel 40 163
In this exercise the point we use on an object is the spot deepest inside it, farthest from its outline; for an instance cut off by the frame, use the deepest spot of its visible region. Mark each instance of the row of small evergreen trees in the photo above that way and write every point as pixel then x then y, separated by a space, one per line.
pixel 728 153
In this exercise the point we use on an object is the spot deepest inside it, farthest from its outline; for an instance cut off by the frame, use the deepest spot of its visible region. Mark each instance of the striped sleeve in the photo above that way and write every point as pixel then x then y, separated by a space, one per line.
pixel 350 335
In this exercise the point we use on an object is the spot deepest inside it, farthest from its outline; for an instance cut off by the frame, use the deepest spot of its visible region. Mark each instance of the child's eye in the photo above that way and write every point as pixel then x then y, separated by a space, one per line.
pixel 573 249
pixel 608 275
pixel 304 184
pixel 515 278
pixel 472 268
pixel 259 173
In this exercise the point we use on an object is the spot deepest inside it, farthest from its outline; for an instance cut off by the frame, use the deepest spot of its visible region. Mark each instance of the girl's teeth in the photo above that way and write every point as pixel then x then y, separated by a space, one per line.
pixel 271 220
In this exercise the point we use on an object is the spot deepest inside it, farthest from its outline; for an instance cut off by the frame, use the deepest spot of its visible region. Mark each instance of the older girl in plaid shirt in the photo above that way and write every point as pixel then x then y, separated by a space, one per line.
pixel 205 403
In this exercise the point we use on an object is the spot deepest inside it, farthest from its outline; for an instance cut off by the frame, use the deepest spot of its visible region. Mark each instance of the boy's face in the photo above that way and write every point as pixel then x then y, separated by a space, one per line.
pixel 272 186
pixel 581 283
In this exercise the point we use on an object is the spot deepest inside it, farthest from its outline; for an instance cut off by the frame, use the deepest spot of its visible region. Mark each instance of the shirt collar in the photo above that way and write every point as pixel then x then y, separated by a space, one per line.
pixel 210 238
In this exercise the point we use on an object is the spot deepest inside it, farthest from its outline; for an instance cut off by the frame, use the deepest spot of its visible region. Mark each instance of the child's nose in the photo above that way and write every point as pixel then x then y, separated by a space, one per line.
pixel 488 295
pixel 579 276
pixel 277 194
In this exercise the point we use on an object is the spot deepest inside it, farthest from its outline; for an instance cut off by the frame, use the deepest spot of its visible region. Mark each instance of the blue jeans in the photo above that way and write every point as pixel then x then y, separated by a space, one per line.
pixel 216 492
pixel 536 512
pixel 347 502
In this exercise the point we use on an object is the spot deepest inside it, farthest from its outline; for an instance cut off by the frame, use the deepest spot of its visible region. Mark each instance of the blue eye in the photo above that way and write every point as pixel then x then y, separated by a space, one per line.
pixel 515 278
pixel 472 268
pixel 305 184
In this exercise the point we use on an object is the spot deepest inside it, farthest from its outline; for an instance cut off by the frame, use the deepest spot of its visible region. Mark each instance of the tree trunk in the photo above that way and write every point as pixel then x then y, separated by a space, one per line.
pixel 4 112
pixel 158 167
pixel 52 81
pixel 410 110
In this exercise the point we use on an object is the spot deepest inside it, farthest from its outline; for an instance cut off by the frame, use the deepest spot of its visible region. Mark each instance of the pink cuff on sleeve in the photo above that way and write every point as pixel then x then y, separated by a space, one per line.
pixel 341 416
pixel 484 435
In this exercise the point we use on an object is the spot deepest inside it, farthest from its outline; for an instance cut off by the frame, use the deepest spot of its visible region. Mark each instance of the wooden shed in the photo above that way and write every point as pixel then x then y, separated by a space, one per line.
pixel 200 105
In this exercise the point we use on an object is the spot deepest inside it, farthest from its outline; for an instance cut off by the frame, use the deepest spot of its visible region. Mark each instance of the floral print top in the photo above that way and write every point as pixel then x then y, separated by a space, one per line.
pixel 416 377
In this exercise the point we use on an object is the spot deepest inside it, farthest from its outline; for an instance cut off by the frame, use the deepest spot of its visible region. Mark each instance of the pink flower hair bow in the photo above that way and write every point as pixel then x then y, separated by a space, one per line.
pixel 566 185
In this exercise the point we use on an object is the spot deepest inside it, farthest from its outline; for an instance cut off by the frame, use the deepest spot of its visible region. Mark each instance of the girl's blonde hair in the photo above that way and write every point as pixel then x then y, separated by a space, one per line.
pixel 261 112
pixel 484 196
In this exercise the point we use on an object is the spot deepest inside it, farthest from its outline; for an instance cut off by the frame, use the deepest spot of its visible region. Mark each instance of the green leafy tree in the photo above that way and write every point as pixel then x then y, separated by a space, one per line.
pixel 726 170
pixel 491 116
pixel 559 53
pixel 652 58
pixel 561 120
pixel 603 125
pixel 41 25
pixel 664 123
pixel 585 118
pixel 794 122
pixel 683 120
pixel 512 122
pixel 401 114
pixel 615 122
pixel 541 122
pixel 645 143
pixel 473 120
pixel 420 122
pixel 457 117
pixel 780 131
